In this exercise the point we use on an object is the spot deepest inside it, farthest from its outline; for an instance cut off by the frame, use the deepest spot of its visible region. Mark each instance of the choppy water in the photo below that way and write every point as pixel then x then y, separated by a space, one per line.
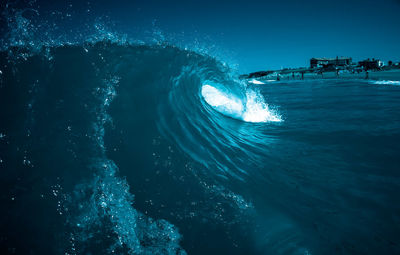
pixel 115 147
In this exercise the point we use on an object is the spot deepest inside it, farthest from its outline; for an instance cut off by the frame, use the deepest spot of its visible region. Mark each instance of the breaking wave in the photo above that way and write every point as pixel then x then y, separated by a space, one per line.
pixel 252 108
pixel 383 82
pixel 98 99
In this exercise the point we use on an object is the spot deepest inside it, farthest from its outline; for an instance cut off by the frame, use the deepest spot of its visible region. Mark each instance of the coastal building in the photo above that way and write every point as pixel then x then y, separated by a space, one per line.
pixel 330 62
pixel 371 64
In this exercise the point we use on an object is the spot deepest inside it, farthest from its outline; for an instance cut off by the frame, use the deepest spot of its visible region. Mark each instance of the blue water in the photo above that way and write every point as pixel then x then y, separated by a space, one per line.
pixel 116 147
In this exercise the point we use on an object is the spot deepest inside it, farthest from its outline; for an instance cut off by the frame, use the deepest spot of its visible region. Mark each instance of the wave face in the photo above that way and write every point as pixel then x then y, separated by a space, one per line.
pixel 94 113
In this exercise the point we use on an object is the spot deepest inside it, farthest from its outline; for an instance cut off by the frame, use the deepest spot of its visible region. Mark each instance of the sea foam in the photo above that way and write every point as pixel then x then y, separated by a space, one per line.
pixel 388 82
pixel 252 109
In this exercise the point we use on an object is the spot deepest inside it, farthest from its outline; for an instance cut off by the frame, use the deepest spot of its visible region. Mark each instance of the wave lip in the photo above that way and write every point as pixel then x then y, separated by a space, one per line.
pixel 253 109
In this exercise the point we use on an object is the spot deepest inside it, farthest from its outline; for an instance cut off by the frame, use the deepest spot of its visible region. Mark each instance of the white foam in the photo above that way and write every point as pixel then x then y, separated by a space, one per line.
pixel 222 102
pixel 253 110
pixel 257 110
pixel 254 81
pixel 386 82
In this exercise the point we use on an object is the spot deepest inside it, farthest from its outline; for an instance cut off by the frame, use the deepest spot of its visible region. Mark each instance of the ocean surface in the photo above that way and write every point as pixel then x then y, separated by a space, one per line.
pixel 116 147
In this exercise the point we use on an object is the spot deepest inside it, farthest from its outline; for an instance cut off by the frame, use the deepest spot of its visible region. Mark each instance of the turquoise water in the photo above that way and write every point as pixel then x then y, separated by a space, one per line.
pixel 110 146
pixel 152 149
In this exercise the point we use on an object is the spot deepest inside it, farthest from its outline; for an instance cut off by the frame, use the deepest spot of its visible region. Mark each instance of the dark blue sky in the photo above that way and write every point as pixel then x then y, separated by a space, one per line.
pixel 260 35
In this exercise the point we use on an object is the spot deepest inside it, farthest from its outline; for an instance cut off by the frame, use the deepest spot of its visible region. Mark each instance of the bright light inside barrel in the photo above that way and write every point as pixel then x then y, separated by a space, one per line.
pixel 251 109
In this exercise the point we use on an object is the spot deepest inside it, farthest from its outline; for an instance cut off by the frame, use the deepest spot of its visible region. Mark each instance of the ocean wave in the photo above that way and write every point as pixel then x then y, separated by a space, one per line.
pixel 163 86
pixel 161 89
pixel 386 82
pixel 257 82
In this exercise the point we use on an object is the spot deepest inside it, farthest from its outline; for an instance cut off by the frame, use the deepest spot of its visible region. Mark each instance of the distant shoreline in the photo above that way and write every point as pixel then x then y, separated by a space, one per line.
pixel 392 74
